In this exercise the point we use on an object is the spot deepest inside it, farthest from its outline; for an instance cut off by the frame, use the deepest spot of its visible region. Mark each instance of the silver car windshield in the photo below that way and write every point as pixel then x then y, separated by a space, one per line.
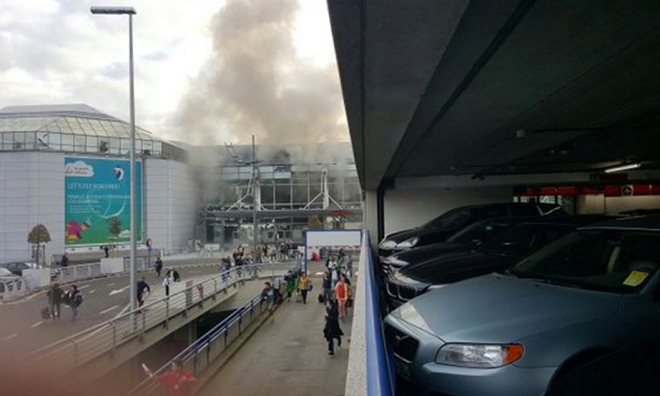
pixel 621 261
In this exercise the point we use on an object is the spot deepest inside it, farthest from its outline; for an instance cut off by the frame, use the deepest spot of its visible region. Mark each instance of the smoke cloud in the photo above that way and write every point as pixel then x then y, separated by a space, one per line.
pixel 256 84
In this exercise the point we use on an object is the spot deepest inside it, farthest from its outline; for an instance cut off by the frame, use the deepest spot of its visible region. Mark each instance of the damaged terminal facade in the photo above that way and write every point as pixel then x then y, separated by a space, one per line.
pixel 66 167
pixel 292 188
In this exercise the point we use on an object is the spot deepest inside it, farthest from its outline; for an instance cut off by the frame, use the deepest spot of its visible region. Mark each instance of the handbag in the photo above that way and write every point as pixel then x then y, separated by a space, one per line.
pixel 349 302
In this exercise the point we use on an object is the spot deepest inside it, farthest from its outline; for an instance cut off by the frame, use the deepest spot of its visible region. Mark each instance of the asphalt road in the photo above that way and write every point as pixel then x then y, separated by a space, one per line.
pixel 22 330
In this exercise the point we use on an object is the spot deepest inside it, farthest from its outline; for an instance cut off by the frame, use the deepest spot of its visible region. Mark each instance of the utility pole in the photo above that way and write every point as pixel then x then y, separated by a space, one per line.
pixel 255 186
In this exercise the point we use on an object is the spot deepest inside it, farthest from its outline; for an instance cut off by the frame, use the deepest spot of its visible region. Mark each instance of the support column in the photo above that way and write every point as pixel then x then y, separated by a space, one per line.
pixel 370 216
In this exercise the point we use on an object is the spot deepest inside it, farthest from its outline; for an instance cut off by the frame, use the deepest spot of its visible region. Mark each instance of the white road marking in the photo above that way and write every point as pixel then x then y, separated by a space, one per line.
pixel 110 284
pixel 123 289
pixel 105 311
pixel 9 337
pixel 123 311
pixel 36 324
pixel 319 273
pixel 92 291
pixel 83 287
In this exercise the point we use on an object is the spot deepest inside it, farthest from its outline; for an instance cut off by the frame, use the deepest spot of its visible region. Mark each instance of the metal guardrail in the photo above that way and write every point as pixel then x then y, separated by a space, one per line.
pixel 76 350
pixel 76 272
pixel 379 371
pixel 66 354
pixel 11 287
pixel 201 354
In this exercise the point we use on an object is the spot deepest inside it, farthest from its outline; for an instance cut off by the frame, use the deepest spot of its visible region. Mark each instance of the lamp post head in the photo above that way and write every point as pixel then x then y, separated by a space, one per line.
pixel 112 10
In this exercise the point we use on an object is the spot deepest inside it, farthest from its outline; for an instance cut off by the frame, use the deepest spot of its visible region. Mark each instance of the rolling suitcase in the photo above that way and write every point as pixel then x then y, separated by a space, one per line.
pixel 321 298
pixel 45 313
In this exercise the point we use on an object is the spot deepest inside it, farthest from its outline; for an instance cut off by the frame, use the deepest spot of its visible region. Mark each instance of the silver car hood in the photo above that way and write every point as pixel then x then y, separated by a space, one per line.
pixel 501 309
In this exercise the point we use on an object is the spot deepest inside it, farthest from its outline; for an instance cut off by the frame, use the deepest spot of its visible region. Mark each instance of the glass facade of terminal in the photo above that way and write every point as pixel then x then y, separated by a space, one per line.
pixel 89 132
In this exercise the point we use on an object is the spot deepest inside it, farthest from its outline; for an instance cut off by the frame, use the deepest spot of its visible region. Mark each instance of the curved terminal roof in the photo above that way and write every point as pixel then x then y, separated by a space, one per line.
pixel 76 128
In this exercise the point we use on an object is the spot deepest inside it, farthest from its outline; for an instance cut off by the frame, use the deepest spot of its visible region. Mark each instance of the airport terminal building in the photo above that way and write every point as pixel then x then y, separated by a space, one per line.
pixel 67 167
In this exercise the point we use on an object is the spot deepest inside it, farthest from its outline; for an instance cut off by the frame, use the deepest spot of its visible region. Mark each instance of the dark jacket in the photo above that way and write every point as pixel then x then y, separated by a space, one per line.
pixel 71 298
pixel 55 295
pixel 141 287
pixel 327 282
pixel 332 329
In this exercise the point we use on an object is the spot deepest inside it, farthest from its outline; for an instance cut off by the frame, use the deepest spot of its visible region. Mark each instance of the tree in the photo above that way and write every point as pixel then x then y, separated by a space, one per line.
pixel 37 236
pixel 114 228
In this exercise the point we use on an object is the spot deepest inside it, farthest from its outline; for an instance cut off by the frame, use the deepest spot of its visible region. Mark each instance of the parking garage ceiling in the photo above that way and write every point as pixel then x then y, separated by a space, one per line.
pixel 458 87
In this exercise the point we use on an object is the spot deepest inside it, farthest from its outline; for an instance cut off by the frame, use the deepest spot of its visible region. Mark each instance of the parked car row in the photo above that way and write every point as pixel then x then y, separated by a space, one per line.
pixel 495 255
pixel 455 220
pixel 469 238
pixel 523 309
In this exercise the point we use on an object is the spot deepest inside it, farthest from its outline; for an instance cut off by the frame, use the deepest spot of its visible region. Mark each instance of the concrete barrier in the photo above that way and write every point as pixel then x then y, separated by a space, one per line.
pixel 112 265
pixel 35 278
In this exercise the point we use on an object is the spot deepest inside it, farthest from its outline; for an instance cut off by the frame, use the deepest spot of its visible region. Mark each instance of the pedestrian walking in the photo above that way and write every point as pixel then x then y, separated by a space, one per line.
pixel 74 299
pixel 167 281
pixel 349 267
pixel 64 261
pixel 327 286
pixel 268 295
pixel 304 285
pixel 55 296
pixel 335 274
pixel 290 283
pixel 225 266
pixel 159 266
pixel 143 291
pixel 332 331
pixel 342 293
pixel 177 380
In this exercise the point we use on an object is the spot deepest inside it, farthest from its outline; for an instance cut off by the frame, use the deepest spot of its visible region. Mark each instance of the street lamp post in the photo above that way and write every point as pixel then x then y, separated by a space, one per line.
pixel 130 11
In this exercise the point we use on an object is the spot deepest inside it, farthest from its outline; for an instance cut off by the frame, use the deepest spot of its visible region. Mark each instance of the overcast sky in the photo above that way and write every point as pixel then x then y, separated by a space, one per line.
pixel 204 69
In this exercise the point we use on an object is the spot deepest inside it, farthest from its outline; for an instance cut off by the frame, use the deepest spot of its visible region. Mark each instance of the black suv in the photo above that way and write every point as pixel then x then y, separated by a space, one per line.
pixel 449 223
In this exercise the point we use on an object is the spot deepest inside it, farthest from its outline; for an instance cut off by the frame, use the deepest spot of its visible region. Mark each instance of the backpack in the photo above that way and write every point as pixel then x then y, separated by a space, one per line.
pixel 77 300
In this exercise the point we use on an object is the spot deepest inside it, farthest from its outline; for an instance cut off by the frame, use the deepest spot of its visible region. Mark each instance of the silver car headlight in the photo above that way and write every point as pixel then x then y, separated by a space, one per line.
pixel 393 261
pixel 408 243
pixel 436 287
pixel 479 355
pixel 388 245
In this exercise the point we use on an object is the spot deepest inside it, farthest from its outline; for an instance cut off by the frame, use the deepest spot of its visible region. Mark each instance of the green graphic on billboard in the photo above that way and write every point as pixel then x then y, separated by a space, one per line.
pixel 97 200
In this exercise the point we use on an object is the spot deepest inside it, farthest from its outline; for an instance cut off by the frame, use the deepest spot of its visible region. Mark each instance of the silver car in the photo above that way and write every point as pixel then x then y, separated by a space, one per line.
pixel 590 293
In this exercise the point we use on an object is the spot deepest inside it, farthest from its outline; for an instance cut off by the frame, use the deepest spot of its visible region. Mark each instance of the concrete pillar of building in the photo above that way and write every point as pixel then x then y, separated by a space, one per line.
pixel 370 215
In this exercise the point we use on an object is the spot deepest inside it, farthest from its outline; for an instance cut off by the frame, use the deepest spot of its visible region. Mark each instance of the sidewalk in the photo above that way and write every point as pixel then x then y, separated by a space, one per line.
pixel 287 356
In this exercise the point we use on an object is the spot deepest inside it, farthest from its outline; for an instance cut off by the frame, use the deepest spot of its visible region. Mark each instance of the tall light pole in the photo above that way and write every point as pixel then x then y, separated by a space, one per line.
pixel 255 186
pixel 130 11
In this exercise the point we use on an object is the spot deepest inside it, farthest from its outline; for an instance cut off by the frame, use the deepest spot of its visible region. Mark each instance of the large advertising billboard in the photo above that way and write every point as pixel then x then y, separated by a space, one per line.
pixel 97 201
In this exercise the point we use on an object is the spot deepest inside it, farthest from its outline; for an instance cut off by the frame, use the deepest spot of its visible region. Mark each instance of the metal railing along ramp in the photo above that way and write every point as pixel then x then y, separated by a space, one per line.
pixel 97 350
pixel 15 287
pixel 203 353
